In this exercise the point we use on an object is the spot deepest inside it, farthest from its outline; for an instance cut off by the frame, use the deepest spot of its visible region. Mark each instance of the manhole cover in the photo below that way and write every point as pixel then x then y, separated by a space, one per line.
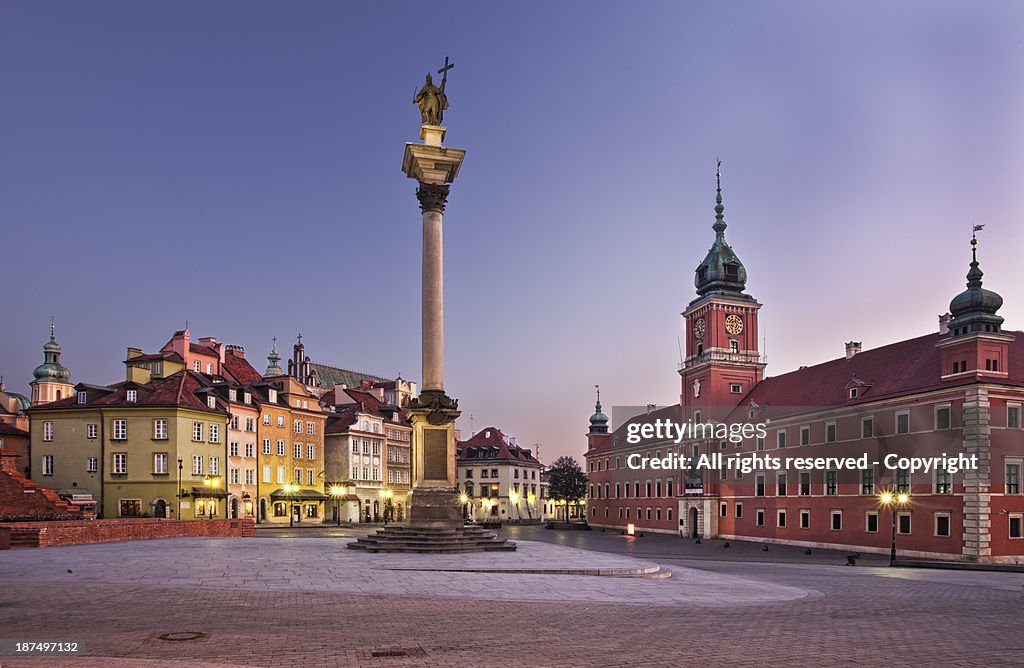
pixel 180 636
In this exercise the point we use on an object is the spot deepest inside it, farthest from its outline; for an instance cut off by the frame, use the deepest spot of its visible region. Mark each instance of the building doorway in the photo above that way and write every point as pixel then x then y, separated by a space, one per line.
pixel 694 533
pixel 234 507
pixel 159 508
pixel 263 510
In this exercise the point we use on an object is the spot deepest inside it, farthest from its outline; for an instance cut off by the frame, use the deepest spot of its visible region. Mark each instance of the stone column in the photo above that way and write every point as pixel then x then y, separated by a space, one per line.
pixel 977 510
pixel 434 500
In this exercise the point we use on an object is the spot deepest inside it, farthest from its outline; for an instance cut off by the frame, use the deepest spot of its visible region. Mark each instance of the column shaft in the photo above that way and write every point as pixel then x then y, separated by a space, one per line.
pixel 433 301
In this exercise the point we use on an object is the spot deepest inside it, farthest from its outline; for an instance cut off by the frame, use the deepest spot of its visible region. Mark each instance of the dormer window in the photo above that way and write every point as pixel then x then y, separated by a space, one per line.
pixel 233 395
pixel 272 395
pixel 209 368
pixel 247 398
pixel 211 401
pixel 732 271
pixel 198 366
pixel 132 396
pixel 702 273
pixel 82 397
pixel 854 392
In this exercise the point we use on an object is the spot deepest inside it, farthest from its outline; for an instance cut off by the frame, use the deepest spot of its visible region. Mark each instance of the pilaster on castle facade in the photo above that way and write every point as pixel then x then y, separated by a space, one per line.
pixel 977 483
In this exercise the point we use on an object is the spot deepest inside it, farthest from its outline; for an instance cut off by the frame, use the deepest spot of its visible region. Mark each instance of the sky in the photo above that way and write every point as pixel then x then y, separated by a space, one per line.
pixel 237 165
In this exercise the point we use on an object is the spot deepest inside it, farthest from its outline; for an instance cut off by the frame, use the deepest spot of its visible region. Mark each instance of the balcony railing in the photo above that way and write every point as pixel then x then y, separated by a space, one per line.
pixel 722 355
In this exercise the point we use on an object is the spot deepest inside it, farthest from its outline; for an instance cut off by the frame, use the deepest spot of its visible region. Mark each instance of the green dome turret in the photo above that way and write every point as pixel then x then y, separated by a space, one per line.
pixel 721 270
pixel 51 368
pixel 598 421
pixel 974 309
pixel 274 361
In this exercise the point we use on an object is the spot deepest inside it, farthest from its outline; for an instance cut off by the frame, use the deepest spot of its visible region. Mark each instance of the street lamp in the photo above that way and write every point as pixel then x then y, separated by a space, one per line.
pixel 212 483
pixel 385 496
pixel 337 492
pixel 288 490
pixel 891 500
pixel 513 498
pixel 179 487
pixel 464 500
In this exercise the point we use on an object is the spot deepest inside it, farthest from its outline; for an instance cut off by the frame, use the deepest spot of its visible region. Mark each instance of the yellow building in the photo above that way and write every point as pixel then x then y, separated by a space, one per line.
pixel 154 449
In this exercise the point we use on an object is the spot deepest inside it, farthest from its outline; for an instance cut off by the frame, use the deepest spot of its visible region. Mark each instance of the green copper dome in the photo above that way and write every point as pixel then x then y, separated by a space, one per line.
pixel 51 368
pixel 598 421
pixel 721 270
pixel 974 309
pixel 274 361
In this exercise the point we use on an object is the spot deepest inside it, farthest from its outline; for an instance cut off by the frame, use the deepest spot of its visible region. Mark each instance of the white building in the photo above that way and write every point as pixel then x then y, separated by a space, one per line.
pixel 499 480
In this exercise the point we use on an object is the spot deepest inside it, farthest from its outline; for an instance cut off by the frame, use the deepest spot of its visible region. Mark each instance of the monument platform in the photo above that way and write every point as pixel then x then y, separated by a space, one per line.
pixel 433 539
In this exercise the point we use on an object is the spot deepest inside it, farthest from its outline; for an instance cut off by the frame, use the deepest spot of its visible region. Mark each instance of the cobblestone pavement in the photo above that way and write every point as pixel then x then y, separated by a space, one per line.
pixel 268 602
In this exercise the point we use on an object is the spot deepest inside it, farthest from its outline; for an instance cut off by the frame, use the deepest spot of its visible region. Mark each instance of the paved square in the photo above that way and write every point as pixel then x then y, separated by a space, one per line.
pixel 287 601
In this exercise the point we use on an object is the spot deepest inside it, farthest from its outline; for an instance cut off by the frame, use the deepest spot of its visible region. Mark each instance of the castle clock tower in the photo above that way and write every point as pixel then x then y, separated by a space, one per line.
pixel 722 358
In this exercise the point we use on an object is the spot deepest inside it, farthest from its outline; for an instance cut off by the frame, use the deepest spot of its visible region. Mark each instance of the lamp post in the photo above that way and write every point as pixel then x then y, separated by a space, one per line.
pixel 513 498
pixel 288 491
pixel 212 483
pixel 464 500
pixel 179 487
pixel 385 496
pixel 891 500
pixel 336 493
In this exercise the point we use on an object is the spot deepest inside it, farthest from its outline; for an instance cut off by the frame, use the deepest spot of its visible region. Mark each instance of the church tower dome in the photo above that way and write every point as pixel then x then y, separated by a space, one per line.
pixel 598 421
pixel 274 361
pixel 721 271
pixel 974 309
pixel 51 379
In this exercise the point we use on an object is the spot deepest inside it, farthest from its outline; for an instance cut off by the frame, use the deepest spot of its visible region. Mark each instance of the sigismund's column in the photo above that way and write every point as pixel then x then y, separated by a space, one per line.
pixel 434 498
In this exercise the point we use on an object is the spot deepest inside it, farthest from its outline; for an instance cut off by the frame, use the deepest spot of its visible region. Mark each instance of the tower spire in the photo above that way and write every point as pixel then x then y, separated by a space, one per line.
pixel 598 421
pixel 720 224
pixel 974 309
pixel 273 361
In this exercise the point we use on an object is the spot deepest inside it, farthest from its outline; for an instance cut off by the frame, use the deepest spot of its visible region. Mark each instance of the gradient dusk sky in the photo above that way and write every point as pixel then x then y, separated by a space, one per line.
pixel 237 165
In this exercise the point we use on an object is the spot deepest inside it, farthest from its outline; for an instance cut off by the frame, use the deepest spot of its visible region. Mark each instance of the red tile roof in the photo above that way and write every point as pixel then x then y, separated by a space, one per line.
pixel 10 430
pixel 490 444
pixel 238 369
pixel 176 390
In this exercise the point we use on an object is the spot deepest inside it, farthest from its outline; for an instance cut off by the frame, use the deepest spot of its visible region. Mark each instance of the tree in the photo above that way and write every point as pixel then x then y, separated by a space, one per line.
pixel 567 482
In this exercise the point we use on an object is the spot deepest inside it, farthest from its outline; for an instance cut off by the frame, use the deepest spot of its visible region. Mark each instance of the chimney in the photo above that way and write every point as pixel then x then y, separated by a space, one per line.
pixel 9 462
pixel 944 323
pixel 651 407
pixel 237 351
pixel 852 348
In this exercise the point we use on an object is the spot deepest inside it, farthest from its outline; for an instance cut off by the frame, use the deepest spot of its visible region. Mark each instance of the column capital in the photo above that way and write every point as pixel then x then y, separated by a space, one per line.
pixel 432 197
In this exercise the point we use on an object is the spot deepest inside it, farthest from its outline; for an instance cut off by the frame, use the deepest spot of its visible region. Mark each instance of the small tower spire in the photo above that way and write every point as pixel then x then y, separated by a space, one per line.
pixel 598 421
pixel 719 226
pixel 273 361
pixel 53 328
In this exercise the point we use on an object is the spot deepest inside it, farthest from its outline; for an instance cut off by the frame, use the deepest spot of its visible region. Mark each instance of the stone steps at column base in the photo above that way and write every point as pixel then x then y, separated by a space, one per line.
pixel 468 538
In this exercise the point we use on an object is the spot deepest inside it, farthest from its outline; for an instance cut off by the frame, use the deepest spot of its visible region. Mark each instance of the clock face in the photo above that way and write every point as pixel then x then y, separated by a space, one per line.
pixel 734 324
pixel 698 328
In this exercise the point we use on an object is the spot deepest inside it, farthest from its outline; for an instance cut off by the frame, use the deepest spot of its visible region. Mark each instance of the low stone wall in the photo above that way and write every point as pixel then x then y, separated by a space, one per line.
pixel 5 538
pixel 77 532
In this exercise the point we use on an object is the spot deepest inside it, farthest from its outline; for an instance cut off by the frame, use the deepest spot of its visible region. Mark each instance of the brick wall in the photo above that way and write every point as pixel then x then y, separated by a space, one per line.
pixel 49 534
pixel 22 499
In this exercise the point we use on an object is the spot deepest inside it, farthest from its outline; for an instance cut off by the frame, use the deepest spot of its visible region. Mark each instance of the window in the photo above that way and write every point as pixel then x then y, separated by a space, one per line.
pixel 867 427
pixel 250 449
pixel 872 522
pixel 903 481
pixel 1015 526
pixel 272 396
pixel 160 429
pixel 943 481
pixel 696 416
pixel 903 423
pixel 805 483
pixel 376 449
pixel 734 348
pixel 280 420
pixel 780 438
pixel 903 523
pixel 830 432
pixel 250 476
pixel 48 431
pixel 760 442
pixel 310 476
pixel 805 435
pixel 233 449
pixel 250 424
pixel 83 397
pixel 92 465
pixel 131 396
pixel 759 485
pixel 723 509
pixel 867 481
pixel 310 451
pixel 120 463
pixel 780 484
pixel 805 519
pixel 197 431
pixel 942 524
pixel 1013 478
pixel 214 465
pixel 837 520
pixel 233 475
pixel 280 475
pixel 197 465
pixel 735 388
pixel 355 446
pixel 266 418
pixel 214 433
pixel 198 366
pixel 297 476
pixel 209 367
pixel 120 429
pixel 782 519
pixel 280 448
pixel 298 426
pixel 91 431
pixel 853 393
pixel 232 395
pixel 942 417
pixel 47 464
pixel 759 517
pixel 738 510
pixel 267 475
pixel 297 450
pixel 129 507
pixel 160 463
pixel 211 401
pixel 831 485
pixel 311 428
